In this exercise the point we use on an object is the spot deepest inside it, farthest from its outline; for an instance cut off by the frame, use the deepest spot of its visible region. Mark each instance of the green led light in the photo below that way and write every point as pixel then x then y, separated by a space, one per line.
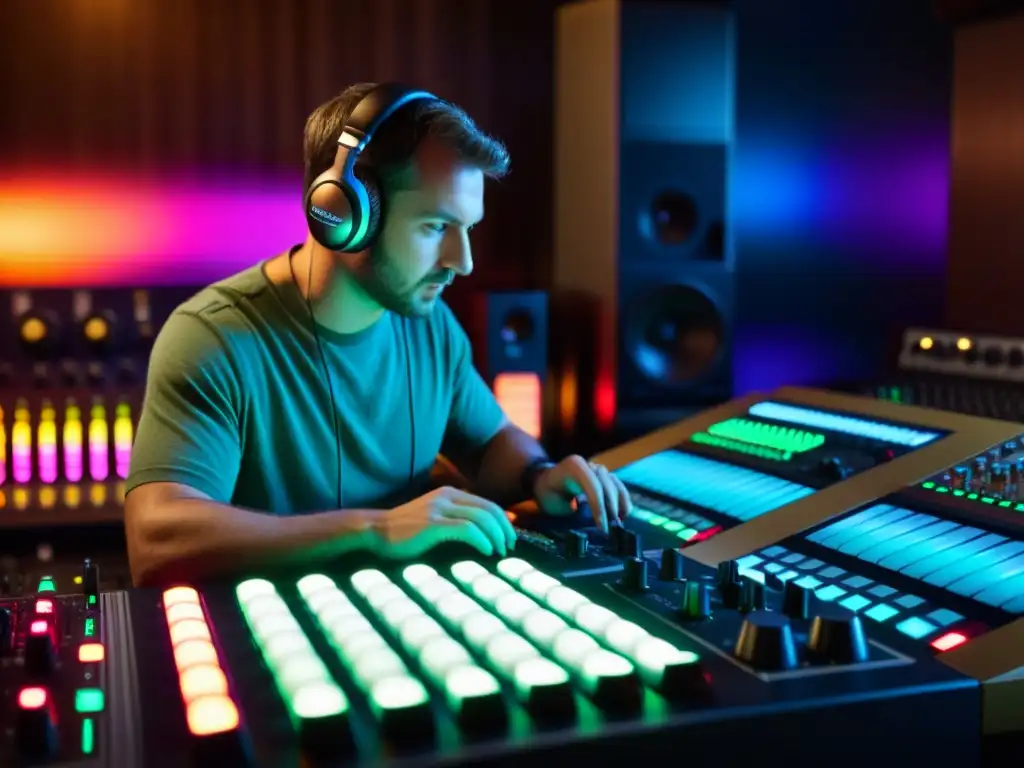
pixel 1003 503
pixel 89 700
pixel 786 440
pixel 88 736
pixel 736 446
pixel 402 692
pixel 300 675
pixel 90 627
pixel 46 585
pixel 470 682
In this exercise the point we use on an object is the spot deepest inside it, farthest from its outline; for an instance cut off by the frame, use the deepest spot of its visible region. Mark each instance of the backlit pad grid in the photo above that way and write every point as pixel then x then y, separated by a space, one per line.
pixel 962 559
pixel 809 417
pixel 209 706
pixel 736 492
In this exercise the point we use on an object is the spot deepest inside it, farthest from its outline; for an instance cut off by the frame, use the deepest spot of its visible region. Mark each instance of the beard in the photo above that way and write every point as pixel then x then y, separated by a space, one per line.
pixel 386 283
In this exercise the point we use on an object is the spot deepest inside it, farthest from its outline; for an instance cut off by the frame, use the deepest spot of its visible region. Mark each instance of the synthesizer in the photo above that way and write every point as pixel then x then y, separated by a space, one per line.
pixel 776 593
pixel 72 378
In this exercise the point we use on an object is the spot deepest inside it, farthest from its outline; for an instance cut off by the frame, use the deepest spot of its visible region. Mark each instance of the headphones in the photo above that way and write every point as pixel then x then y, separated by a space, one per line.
pixel 343 204
pixel 343 211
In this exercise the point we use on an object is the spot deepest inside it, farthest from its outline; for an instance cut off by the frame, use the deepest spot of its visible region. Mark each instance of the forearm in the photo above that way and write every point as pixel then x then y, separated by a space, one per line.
pixel 195 539
pixel 502 464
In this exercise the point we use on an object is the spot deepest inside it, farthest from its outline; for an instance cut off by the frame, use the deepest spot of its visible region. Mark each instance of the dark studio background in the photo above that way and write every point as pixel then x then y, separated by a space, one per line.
pixel 849 137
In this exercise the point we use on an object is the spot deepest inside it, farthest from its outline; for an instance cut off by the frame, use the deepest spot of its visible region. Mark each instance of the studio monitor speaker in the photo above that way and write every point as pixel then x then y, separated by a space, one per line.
pixel 644 268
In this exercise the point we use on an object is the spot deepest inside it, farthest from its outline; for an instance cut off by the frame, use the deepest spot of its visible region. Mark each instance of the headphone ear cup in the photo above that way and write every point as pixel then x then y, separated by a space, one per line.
pixel 329 213
pixel 374 212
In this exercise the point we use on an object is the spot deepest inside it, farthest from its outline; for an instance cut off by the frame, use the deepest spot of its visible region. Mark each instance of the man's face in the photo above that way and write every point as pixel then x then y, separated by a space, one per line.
pixel 424 241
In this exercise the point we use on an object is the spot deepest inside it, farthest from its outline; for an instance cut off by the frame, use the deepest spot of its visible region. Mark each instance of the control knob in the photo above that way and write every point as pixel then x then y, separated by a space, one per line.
pixel 575 545
pixel 837 636
pixel 832 468
pixel 671 565
pixel 729 583
pixel 796 600
pixel 766 642
pixel 35 726
pixel 40 650
pixel 752 597
pixel 630 544
pixel 634 574
pixel 696 605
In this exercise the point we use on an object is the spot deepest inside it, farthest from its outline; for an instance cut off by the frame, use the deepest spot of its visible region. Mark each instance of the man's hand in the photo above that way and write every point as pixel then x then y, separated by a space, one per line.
pixel 574 476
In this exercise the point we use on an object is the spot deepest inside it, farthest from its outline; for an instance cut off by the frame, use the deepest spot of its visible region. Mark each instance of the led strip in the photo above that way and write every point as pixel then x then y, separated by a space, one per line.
pixel 807 417
pixel 209 707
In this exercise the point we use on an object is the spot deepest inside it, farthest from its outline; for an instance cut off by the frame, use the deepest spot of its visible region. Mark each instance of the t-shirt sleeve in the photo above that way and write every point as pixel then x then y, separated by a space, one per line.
pixel 189 430
pixel 475 415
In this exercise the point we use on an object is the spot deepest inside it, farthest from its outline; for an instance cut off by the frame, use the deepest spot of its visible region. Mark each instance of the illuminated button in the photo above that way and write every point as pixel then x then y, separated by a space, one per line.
pixel 915 627
pixel 474 696
pixel 205 680
pixel 855 602
pixel 397 611
pixel 378 664
pixel 441 655
pixel 307 585
pixel 32 698
pixel 183 631
pixel 506 650
pixel 184 611
pixel 418 574
pixel 435 590
pixel 542 626
pixel 88 700
pixel 611 681
pixel 39 627
pixel 537 584
pixel 35 725
pixel 176 595
pixel 489 587
pixel 456 607
pixel 44 606
pixel 194 652
pixel 513 568
pixel 403 708
pixel 623 636
pixel 298 671
pixel 326 598
pixel 881 612
pixel 544 689
pixel 366 580
pixel 572 646
pixel 513 606
pixel 209 715
pixel 478 628
pixel 594 618
pixel 467 571
pixel 277 648
pixel 418 630
pixel 319 699
pixel 90 653
pixel 564 600
pixel 949 641
pixel 668 669
pixel 382 594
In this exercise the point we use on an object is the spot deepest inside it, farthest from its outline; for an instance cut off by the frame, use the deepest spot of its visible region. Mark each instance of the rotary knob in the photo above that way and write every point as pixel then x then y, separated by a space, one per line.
pixel 766 642
pixel 796 600
pixel 696 605
pixel 630 544
pixel 575 545
pixel 837 636
pixel 634 574
pixel 752 597
pixel 671 565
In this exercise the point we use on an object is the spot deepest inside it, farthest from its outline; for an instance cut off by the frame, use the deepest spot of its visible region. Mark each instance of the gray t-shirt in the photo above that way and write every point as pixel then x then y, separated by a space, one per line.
pixel 237 402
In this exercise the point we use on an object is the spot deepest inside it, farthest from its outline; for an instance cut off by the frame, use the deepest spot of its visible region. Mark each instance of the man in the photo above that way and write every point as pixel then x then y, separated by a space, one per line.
pixel 294 411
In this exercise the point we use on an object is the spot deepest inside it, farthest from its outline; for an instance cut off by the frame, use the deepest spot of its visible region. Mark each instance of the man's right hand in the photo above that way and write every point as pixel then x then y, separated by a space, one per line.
pixel 446 514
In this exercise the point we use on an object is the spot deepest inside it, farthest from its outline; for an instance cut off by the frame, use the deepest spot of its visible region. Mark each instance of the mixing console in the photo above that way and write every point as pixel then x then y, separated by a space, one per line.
pixel 72 370
pixel 778 592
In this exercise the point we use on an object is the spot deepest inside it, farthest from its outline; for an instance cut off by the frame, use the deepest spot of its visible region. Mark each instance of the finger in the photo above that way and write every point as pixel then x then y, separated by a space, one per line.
pixel 611 493
pixel 591 487
pixel 482 520
pixel 625 500
pixel 468 533
pixel 462 498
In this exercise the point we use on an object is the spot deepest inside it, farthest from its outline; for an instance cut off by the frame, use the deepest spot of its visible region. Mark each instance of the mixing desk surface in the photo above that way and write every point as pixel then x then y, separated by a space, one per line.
pixel 786 588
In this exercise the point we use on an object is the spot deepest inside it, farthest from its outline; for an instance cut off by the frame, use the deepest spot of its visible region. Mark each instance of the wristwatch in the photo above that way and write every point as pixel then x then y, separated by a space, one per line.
pixel 533 471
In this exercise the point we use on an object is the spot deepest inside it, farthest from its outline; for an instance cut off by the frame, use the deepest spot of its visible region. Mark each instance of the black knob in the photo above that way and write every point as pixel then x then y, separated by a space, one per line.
pixel 91 585
pixel 837 636
pixel 671 565
pixel 766 642
pixel 40 650
pixel 796 600
pixel 630 544
pixel 833 469
pixel 575 545
pixel 35 725
pixel 728 572
pixel 752 596
pixel 5 632
pixel 615 539
pixel 634 574
pixel 696 605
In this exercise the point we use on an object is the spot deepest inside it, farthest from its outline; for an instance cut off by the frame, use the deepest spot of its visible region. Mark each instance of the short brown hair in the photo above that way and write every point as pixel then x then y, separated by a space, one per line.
pixel 393 146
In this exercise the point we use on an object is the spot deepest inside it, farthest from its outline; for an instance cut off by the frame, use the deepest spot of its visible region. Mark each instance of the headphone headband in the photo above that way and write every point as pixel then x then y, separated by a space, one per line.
pixel 343 208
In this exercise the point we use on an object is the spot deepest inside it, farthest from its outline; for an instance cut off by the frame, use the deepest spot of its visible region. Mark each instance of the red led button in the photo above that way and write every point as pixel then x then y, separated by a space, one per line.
pixel 44 606
pixel 949 641
pixel 32 698
pixel 38 627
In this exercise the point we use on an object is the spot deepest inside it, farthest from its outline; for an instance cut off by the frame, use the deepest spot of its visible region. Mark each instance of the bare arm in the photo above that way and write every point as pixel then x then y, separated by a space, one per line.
pixel 176 533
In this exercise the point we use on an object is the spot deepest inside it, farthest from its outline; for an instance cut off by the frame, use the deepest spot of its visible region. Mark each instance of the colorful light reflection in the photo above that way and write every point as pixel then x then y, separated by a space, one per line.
pixel 57 230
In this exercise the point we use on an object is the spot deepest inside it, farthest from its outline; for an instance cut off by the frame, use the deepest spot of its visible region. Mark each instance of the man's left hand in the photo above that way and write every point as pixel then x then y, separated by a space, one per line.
pixel 574 476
